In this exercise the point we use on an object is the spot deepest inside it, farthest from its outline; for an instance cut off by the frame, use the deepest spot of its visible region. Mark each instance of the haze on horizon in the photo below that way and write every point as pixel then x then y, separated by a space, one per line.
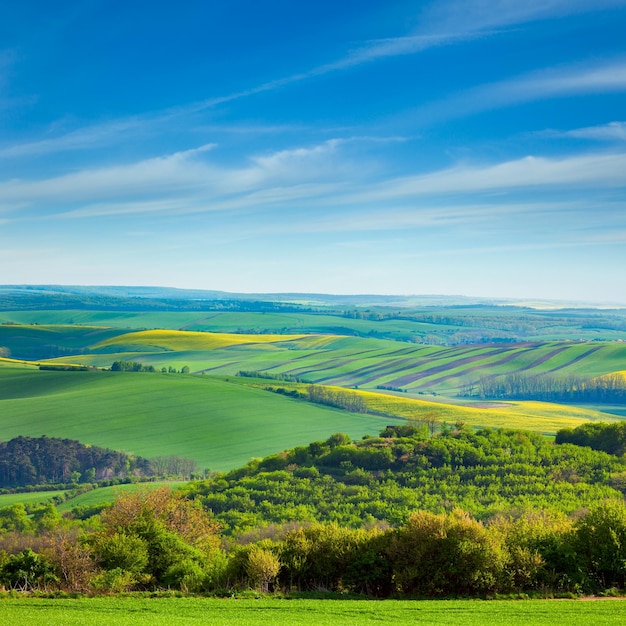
pixel 449 147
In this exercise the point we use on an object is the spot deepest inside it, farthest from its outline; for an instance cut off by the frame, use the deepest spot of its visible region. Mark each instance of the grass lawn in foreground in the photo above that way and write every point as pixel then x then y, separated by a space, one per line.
pixel 270 612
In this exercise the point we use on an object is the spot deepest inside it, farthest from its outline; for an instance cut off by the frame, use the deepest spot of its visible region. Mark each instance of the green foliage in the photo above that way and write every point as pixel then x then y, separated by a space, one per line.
pixel 609 438
pixel 262 567
pixel 154 539
pixel 444 555
pixel 39 460
pixel 15 518
pixel 387 478
pixel 27 571
pixel 131 366
pixel 600 545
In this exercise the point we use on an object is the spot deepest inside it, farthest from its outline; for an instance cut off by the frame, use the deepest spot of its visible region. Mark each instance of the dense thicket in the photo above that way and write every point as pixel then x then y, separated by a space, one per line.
pixel 609 438
pixel 387 478
pixel 403 514
pixel 39 460
pixel 160 540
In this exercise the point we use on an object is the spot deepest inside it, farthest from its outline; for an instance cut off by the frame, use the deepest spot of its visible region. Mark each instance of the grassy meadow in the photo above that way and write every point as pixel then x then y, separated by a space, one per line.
pixel 219 424
pixel 541 417
pixel 89 498
pixel 129 611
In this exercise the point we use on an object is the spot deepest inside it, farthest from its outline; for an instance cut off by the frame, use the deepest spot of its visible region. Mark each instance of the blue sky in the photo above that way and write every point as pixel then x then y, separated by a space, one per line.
pixel 473 147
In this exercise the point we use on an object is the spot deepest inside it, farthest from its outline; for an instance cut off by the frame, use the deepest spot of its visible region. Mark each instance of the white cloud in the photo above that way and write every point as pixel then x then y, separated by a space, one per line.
pixel 475 15
pixel 613 131
pixel 317 176
pixel 184 181
pixel 590 170
pixel 551 83
pixel 87 137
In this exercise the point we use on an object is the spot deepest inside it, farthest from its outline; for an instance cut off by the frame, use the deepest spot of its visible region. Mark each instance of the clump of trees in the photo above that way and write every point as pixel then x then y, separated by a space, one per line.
pixel 321 394
pixel 39 460
pixel 383 479
pixel 609 438
pixel 267 376
pixel 131 366
pixel 405 514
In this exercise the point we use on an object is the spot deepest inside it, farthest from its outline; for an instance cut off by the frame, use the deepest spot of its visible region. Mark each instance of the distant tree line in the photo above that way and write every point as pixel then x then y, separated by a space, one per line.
pixel 320 394
pixel 610 388
pixel 131 366
pixel 267 376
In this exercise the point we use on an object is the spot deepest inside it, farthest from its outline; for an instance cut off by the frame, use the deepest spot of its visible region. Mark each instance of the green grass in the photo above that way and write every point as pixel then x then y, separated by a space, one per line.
pixel 109 494
pixel 34 497
pixel 126 611
pixel 219 424
pixel 542 417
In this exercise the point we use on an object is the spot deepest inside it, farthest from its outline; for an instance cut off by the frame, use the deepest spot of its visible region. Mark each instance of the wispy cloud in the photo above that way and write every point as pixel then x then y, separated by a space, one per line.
pixel 186 181
pixel 90 136
pixel 443 23
pixel 590 170
pixel 321 175
pixel 613 131
pixel 550 83
pixel 477 15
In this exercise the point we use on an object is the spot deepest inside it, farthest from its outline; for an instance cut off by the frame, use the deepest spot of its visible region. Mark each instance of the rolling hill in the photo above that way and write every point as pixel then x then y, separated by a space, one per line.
pixel 218 424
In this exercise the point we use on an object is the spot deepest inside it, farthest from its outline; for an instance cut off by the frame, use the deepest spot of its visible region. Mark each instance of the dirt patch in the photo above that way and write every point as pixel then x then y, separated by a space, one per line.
pixel 488 405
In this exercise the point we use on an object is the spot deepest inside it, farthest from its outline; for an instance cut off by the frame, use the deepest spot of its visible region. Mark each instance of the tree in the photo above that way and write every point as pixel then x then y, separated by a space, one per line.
pixel 600 544
pixel 262 567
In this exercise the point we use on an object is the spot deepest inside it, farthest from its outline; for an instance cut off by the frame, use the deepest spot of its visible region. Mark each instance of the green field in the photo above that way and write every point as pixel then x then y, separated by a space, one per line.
pixel 109 494
pixel 34 497
pixel 121 611
pixel 93 497
pixel 219 424
pixel 356 361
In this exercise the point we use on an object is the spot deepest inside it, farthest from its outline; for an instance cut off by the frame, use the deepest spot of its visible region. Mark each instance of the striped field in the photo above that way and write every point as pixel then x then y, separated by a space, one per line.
pixel 356 361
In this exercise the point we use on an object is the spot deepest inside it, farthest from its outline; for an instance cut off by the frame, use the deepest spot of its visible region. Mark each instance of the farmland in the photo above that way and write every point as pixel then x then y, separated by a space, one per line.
pixel 129 611
pixel 221 420
pixel 218 424
pixel 346 361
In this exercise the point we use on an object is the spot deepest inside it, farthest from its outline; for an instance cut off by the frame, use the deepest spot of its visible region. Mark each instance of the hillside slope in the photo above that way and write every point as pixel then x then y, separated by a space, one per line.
pixel 216 423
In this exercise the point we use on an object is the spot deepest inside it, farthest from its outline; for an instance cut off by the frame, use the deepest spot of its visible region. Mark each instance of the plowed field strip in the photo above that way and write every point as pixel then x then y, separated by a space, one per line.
pixel 325 365
pixel 415 376
pixel 543 358
pixel 503 361
pixel 374 371
pixel 580 357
